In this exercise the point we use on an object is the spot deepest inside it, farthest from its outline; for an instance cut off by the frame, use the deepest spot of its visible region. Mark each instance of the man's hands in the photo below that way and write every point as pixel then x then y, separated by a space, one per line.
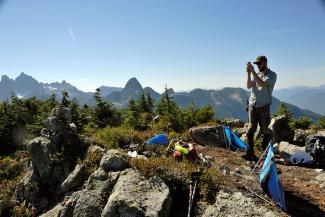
pixel 249 68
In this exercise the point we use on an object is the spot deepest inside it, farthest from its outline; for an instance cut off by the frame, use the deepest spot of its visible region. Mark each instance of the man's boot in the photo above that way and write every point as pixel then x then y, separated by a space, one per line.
pixel 250 156
pixel 265 141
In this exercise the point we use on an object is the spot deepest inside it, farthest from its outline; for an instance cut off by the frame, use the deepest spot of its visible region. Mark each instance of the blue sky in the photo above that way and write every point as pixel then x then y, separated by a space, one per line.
pixel 185 44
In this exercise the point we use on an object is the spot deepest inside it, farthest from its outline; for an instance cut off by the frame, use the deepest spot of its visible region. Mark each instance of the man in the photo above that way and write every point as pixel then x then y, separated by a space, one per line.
pixel 261 85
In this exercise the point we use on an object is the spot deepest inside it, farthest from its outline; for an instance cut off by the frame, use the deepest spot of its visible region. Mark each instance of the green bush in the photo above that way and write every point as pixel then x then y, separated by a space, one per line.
pixel 321 122
pixel 117 137
pixel 303 123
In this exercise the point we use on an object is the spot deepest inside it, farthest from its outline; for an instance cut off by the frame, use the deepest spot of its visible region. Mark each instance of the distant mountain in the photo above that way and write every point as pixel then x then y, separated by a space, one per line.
pixel 311 98
pixel 132 90
pixel 227 102
pixel 25 86
pixel 105 90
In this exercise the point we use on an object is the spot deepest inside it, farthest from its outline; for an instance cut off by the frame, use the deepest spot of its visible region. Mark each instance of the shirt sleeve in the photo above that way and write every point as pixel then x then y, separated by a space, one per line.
pixel 270 79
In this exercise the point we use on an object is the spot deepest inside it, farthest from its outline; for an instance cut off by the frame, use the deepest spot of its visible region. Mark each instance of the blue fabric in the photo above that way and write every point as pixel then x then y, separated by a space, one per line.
pixel 233 140
pixel 228 135
pixel 270 182
pixel 160 139
pixel 240 143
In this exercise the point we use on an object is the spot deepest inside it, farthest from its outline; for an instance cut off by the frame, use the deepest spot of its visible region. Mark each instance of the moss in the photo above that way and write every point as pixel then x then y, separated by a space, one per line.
pixel 22 210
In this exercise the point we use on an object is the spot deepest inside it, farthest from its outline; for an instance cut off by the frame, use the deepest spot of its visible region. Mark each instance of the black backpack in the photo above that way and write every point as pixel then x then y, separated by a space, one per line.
pixel 315 146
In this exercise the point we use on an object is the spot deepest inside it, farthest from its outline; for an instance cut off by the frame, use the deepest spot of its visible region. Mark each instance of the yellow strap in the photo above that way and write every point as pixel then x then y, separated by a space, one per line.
pixel 181 149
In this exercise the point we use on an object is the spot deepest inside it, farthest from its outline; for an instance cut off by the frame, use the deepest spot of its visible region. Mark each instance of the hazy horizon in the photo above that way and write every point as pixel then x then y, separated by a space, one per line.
pixel 184 44
pixel 157 90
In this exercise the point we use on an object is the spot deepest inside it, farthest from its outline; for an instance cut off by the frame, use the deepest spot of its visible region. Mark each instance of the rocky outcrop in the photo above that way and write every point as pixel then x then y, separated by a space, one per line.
pixel 133 195
pixel 210 135
pixel 121 193
pixel 320 179
pixel 75 178
pixel 231 122
pixel 114 160
pixel 53 158
pixel 300 137
pixel 286 150
pixel 236 205
pixel 281 130
pixel 91 200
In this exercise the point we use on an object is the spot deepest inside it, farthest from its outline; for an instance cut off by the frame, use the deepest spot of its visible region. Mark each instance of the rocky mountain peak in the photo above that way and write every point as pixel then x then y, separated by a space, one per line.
pixel 133 85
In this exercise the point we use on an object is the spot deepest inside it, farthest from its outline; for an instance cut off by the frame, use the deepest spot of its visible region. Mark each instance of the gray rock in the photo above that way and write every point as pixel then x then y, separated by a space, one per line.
pixel 321 178
pixel 75 179
pixel 53 158
pixel 286 150
pixel 134 195
pixel 236 205
pixel 240 131
pixel 2 206
pixel 53 124
pixel 38 149
pixel 54 212
pixel 90 201
pixel 320 133
pixel 28 190
pixel 95 149
pixel 62 113
pixel 73 127
pixel 280 129
pixel 114 160
pixel 300 137
pixel 231 122
pixel 237 170
pixel 318 170
pixel 224 169
pixel 210 135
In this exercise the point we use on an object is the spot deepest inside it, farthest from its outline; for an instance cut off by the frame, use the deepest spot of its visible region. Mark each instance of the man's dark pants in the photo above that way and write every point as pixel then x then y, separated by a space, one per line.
pixel 261 116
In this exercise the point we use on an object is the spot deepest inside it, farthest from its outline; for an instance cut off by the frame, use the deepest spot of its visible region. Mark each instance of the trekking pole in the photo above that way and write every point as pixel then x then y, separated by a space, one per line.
pixel 260 159
pixel 190 201
pixel 254 193
pixel 195 176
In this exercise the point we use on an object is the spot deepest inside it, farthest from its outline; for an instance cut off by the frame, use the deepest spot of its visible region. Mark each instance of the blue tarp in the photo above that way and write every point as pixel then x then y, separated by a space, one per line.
pixel 160 139
pixel 233 140
pixel 270 182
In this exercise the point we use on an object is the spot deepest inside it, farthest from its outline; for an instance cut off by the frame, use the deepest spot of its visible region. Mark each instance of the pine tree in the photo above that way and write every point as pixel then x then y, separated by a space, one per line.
pixel 283 110
pixel 142 103
pixel 105 114
pixel 65 96
pixel 321 122
pixel 150 105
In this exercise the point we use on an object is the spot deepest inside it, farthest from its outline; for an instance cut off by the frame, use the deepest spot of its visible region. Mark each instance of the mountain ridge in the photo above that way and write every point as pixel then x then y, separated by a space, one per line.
pixel 227 102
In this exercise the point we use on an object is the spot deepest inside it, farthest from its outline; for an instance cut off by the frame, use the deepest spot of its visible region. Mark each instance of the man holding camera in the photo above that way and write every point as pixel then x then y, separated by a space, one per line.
pixel 261 84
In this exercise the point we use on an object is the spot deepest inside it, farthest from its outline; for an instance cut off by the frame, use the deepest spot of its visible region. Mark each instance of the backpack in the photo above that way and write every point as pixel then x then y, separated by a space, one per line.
pixel 315 146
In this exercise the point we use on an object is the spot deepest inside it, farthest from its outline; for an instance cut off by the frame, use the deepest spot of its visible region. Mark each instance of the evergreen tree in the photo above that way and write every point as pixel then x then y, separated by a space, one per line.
pixel 283 110
pixel 142 103
pixel 150 105
pixel 105 113
pixel 133 116
pixel 321 122
pixel 65 99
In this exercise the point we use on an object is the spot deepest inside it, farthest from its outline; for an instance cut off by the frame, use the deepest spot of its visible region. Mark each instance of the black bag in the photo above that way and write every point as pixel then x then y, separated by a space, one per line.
pixel 315 146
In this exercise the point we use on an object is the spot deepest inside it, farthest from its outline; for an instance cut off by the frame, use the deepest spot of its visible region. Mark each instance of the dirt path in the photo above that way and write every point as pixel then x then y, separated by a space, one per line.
pixel 303 197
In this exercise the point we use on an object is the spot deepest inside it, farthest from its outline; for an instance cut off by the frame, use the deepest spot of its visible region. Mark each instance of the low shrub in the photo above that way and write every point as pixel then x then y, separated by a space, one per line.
pixel 117 137
pixel 179 174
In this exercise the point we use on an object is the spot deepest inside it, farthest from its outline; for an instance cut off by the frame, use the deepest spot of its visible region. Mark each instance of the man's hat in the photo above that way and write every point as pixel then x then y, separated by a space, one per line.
pixel 260 59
